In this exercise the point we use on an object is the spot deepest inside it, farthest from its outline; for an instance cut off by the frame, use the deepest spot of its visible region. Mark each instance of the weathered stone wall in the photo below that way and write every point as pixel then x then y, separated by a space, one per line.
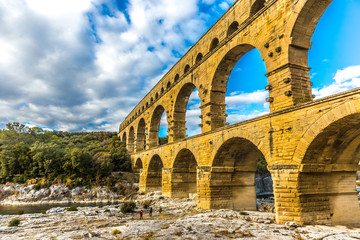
pixel 305 191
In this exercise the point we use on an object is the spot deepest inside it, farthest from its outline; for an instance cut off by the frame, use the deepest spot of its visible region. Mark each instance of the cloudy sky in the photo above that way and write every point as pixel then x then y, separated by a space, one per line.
pixel 83 65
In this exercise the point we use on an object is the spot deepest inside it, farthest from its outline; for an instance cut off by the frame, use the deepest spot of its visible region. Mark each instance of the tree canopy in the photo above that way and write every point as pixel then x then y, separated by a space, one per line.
pixel 80 158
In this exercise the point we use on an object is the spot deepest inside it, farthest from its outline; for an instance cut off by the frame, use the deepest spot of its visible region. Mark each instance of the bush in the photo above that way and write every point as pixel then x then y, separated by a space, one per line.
pixel 36 186
pixel 107 210
pixel 72 209
pixel 128 207
pixel 116 231
pixel 20 212
pixel 14 222
pixel 43 211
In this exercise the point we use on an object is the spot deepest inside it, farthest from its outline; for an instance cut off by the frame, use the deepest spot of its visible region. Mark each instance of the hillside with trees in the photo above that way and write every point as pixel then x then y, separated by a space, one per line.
pixel 60 157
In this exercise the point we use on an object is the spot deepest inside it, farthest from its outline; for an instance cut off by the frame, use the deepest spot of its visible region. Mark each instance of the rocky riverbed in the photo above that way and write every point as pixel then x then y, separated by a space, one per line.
pixel 179 219
pixel 17 194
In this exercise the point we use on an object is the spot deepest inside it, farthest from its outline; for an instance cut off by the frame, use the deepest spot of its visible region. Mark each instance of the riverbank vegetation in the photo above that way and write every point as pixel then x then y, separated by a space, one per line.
pixel 60 157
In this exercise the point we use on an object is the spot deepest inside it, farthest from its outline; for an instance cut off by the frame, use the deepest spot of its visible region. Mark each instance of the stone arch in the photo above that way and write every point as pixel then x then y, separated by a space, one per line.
pixel 187 68
pixel 328 175
pixel 183 177
pixel 151 100
pixel 303 27
pixel 232 28
pixel 156 95
pixel 168 85
pixel 334 115
pixel 138 165
pixel 162 90
pixel 256 6
pixel 232 180
pixel 123 139
pixel 176 78
pixel 214 43
pixel 154 126
pixel 179 115
pixel 141 136
pixel 147 104
pixel 154 174
pixel 198 58
pixel 131 139
pixel 219 83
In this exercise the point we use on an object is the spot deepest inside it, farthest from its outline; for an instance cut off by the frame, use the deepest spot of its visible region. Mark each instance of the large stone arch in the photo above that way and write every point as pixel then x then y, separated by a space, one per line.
pixel 328 174
pixel 183 176
pixel 334 115
pixel 219 83
pixel 154 174
pixel 179 112
pixel 154 126
pixel 232 179
pixel 302 28
pixel 131 140
pixel 141 135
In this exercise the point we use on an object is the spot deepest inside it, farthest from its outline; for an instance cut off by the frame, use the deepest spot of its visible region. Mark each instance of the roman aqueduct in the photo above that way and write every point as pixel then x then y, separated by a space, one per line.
pixel 311 147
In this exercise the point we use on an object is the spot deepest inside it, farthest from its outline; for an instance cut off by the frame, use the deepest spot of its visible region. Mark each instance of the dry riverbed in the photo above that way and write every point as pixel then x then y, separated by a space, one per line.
pixel 179 219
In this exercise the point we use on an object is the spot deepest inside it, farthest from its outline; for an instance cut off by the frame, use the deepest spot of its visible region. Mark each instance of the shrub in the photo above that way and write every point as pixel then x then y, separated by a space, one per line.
pixel 43 211
pixel 107 210
pixel 116 231
pixel 244 213
pixel 36 186
pixel 128 207
pixel 20 212
pixel 14 222
pixel 71 209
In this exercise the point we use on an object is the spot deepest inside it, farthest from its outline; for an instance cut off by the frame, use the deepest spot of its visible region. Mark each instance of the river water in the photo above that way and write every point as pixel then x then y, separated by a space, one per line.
pixel 15 209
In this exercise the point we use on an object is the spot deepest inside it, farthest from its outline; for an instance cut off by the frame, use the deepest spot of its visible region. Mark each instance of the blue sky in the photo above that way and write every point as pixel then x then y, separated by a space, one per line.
pixel 83 65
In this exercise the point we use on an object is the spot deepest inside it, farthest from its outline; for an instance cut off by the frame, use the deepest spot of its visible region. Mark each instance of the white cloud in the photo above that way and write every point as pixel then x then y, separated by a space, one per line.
pixel 345 79
pixel 67 66
pixel 257 97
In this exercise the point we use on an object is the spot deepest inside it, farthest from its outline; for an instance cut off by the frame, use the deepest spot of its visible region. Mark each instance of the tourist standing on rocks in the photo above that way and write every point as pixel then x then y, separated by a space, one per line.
pixel 150 212
pixel 141 214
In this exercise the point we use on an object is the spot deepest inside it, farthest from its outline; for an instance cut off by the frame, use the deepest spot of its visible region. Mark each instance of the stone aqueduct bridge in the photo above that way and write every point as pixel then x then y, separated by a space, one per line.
pixel 311 147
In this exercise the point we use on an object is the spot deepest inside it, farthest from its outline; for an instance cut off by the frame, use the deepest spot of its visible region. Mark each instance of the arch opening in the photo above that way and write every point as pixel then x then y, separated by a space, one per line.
pixel 186 112
pixel 232 28
pixel 256 6
pixel 333 45
pixel 176 78
pixel 234 180
pixel 156 96
pixel 131 139
pixel 168 85
pixel 158 134
pixel 336 146
pixel 141 136
pixel 183 178
pixel 238 87
pixel 187 68
pixel 138 166
pixel 154 174
pixel 124 138
pixel 198 58
pixel 214 43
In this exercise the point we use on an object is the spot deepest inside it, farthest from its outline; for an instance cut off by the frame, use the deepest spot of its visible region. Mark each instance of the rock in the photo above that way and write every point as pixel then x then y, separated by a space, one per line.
pixel 292 225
